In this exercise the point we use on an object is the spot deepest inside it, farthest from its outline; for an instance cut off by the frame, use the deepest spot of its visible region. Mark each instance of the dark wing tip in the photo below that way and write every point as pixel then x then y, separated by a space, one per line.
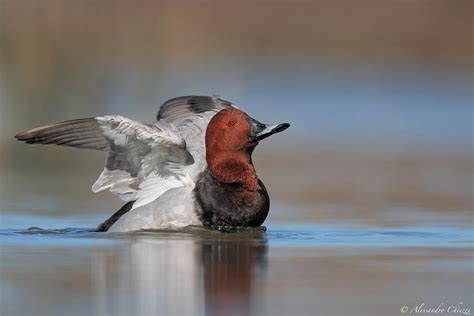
pixel 26 136
pixel 184 105
pixel 20 136
pixel 80 133
pixel 45 129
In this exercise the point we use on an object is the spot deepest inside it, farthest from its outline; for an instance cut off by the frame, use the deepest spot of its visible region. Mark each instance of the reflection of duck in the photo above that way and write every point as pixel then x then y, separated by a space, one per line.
pixel 210 274
pixel 191 167
pixel 229 265
pixel 150 275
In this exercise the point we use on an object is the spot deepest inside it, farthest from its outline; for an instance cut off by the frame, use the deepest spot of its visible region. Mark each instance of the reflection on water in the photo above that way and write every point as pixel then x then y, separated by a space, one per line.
pixel 199 274
pixel 291 269
pixel 141 280
pixel 167 273
pixel 228 273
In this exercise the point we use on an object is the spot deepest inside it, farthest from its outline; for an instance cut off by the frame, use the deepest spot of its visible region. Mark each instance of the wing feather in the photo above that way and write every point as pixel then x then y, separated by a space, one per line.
pixel 81 133
pixel 143 161
pixel 187 106
pixel 191 115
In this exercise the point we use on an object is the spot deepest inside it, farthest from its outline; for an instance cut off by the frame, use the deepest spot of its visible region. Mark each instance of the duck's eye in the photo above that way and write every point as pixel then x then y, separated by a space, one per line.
pixel 231 123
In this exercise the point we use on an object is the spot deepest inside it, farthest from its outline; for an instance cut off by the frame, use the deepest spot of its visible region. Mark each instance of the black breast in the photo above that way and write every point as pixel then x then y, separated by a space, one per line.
pixel 221 204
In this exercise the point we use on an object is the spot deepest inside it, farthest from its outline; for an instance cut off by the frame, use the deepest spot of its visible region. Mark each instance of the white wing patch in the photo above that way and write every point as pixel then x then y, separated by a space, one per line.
pixel 153 159
pixel 153 187
pixel 118 182
pixel 120 130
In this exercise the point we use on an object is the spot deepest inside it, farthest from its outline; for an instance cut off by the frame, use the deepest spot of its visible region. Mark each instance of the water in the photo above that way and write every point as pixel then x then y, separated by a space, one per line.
pixel 292 268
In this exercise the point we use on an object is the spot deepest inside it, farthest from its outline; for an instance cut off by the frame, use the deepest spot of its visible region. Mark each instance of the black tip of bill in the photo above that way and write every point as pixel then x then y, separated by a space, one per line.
pixel 281 127
pixel 269 130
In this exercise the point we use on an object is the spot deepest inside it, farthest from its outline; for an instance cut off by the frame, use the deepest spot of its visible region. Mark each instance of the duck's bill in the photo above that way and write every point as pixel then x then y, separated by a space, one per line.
pixel 261 131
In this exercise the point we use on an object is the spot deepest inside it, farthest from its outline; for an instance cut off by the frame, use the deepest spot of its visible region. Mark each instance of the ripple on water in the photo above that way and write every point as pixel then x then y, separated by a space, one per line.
pixel 294 236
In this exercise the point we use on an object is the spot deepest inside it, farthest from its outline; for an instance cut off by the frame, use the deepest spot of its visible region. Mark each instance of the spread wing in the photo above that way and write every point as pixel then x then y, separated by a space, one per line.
pixel 143 161
pixel 191 115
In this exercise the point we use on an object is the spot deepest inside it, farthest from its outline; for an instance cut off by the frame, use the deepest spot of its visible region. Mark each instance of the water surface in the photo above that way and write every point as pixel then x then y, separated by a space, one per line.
pixel 293 268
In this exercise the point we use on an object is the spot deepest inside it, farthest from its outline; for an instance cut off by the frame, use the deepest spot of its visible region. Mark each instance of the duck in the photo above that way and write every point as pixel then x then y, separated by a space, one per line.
pixel 191 167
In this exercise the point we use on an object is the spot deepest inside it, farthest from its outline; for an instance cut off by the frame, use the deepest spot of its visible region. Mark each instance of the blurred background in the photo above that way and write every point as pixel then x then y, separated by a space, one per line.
pixel 379 95
pixel 371 187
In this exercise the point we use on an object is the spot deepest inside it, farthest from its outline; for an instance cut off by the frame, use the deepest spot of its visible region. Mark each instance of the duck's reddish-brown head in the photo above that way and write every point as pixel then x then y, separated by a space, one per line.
pixel 231 137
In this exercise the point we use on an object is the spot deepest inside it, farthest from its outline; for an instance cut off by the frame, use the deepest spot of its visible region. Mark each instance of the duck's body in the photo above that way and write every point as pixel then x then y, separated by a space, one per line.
pixel 192 167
